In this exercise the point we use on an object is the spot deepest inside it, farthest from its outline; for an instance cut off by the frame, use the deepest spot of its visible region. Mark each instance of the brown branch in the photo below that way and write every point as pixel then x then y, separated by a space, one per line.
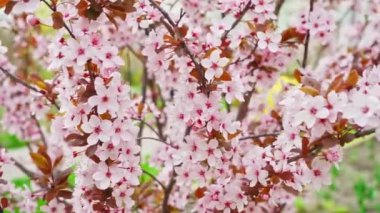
pixel 25 84
pixel 259 136
pixel 343 141
pixel 23 168
pixel 198 67
pixel 54 9
pixel 237 21
pixel 155 179
pixel 43 138
pixel 169 188
pixel 307 40
pixel 279 5
pixel 19 81
pixel 156 139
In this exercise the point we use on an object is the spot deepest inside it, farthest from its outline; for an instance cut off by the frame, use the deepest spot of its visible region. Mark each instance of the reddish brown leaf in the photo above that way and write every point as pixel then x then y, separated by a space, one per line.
pixel 352 79
pixel 82 7
pixel 305 147
pixel 195 74
pixel 310 90
pixel 298 75
pixel 128 5
pixel 9 7
pixel 337 84
pixel 76 140
pixel 57 161
pixel 51 194
pixel 200 192
pixel 41 162
pixel 61 178
pixel 292 34
pixel 93 12
pixel 4 203
pixel 182 31
pixel 65 194
pixel 225 77
pixel 3 3
pixel 58 22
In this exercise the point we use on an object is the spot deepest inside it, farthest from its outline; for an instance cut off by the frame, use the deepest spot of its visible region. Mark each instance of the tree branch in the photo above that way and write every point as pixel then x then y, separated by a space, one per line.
pixel 198 67
pixel 279 5
pixel 23 168
pixel 165 203
pixel 259 136
pixel 155 179
pixel 156 139
pixel 54 9
pixel 25 84
pixel 237 21
pixel 307 40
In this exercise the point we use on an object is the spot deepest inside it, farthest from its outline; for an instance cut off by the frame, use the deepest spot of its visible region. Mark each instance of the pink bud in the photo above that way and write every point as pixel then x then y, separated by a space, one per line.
pixel 32 20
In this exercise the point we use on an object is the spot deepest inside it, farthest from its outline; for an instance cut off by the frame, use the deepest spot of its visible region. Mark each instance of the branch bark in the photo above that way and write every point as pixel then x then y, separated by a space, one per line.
pixel 307 40
pixel 237 21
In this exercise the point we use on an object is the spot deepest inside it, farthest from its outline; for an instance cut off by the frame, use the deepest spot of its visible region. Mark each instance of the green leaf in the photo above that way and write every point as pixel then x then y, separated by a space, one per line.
pixel 10 141
pixel 146 167
pixel 40 203
pixel 71 180
pixel 22 182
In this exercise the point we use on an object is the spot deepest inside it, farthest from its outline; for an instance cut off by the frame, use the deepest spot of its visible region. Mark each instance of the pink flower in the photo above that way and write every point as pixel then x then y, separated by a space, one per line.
pixel 256 174
pixel 76 115
pixel 213 154
pixel 123 195
pixel 106 176
pixel 78 51
pixel 233 89
pixel 122 131
pixel 25 6
pixel 313 108
pixel 362 109
pixel 320 173
pixel 214 64
pixel 269 40
pixel 133 171
pixel 98 129
pixel 54 207
pixel 107 150
pixel 105 98
pixel 109 57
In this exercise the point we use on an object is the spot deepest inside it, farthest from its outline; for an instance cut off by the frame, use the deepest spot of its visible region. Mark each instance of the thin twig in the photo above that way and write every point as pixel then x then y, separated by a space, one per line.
pixel 148 125
pixel 25 84
pixel 144 87
pixel 259 136
pixel 155 179
pixel 23 168
pixel 198 67
pixel 345 140
pixel 155 139
pixel 307 40
pixel 43 138
pixel 169 188
pixel 19 81
pixel 237 21
pixel 54 9
pixel 279 5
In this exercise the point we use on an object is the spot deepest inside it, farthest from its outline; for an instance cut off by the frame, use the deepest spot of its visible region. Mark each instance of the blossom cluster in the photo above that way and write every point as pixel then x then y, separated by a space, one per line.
pixel 232 111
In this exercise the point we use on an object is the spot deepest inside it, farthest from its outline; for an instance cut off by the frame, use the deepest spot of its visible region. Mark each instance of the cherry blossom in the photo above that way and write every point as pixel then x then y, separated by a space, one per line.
pixel 214 65
pixel 204 106
pixel 54 207
pixel 105 100
pixel 98 129
pixel 268 40
pixel 106 176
